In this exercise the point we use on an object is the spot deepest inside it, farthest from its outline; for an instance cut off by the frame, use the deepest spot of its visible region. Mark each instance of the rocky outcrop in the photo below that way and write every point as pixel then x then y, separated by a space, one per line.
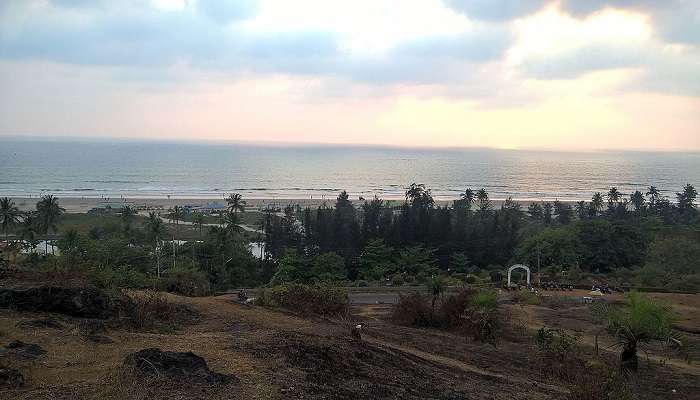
pixel 85 302
pixel 181 366
pixel 10 378
pixel 23 350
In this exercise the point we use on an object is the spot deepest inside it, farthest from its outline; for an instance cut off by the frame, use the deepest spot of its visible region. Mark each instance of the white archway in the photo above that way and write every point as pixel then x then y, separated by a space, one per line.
pixel 519 266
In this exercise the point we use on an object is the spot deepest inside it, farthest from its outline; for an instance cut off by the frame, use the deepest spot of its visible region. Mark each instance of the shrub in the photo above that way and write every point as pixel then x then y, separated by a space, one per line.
pixel 413 310
pixel 557 353
pixel 115 278
pixel 186 281
pixel 397 280
pixel 598 381
pixel 452 307
pixel 481 317
pixel 321 299
pixel 526 297
pixel 152 310
pixel 641 321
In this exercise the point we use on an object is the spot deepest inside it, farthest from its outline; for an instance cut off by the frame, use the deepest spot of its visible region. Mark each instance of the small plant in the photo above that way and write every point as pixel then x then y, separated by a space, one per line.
pixel 481 317
pixel 641 321
pixel 557 352
pixel 321 299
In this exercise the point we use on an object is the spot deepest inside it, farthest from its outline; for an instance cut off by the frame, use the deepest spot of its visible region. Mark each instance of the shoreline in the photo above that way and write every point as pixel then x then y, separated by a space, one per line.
pixel 85 204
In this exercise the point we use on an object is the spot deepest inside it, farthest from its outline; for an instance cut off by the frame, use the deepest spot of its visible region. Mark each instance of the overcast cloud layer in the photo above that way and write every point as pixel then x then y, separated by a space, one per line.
pixel 440 59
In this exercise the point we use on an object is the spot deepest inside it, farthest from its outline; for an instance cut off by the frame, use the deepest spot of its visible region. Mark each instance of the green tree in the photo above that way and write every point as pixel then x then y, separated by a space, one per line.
pixel 459 262
pixel 582 209
pixel 613 196
pixel 235 203
pixel 48 213
pixel 679 255
pixel 642 320
pixel 654 196
pixel 596 203
pixel 417 261
pixel 436 286
pixel 127 215
pixel 155 232
pixel 10 216
pixel 328 267
pixel 482 197
pixel 637 200
pixel 376 260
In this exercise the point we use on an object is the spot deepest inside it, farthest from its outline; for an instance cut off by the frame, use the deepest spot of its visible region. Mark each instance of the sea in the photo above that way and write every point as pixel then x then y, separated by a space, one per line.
pixel 192 170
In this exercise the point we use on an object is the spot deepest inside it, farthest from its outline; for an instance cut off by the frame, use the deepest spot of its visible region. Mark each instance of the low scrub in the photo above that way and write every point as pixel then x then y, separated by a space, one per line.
pixel 526 297
pixel 560 354
pixel 151 310
pixel 482 319
pixel 186 281
pixel 320 299
pixel 476 313
pixel 413 310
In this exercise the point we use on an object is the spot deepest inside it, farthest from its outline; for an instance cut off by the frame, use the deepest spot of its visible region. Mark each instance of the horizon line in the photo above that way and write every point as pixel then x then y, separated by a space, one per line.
pixel 273 143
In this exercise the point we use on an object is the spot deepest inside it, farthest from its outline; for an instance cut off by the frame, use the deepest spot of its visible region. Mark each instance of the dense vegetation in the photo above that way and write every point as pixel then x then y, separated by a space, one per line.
pixel 641 239
pixel 645 240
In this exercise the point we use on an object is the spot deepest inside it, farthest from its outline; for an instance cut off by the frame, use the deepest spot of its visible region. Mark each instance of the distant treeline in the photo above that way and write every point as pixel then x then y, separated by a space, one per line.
pixel 419 238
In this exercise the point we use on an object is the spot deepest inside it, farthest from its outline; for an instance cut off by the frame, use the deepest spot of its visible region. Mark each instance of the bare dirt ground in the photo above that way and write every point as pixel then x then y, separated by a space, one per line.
pixel 277 355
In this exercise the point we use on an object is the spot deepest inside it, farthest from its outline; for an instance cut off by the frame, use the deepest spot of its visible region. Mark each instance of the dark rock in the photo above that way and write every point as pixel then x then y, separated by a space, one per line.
pixel 87 302
pixel 24 350
pixel 11 378
pixel 40 323
pixel 182 366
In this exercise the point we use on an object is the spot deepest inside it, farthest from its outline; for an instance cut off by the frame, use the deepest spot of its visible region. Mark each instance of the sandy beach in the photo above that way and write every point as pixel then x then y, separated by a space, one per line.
pixel 85 204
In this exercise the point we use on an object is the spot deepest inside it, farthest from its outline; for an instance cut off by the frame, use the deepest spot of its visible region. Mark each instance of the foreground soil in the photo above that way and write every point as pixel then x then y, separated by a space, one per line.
pixel 277 355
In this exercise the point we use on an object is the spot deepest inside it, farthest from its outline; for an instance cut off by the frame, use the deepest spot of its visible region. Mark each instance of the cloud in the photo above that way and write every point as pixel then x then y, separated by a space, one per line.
pixel 496 10
pixel 677 21
pixel 225 11
pixel 572 63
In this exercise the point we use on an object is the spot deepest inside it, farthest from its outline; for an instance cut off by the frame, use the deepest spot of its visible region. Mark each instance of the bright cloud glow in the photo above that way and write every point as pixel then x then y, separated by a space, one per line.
pixel 498 73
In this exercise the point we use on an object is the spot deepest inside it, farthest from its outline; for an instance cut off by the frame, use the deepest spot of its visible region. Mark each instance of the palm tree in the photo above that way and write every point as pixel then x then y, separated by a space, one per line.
pixel 48 215
pixel 468 197
pixel 127 215
pixel 581 209
pixel 637 200
pixel 641 321
pixel 597 203
pixel 9 215
pixel 198 222
pixel 230 221
pixel 654 196
pixel 28 232
pixel 155 231
pixel 235 203
pixel 613 196
pixel 484 203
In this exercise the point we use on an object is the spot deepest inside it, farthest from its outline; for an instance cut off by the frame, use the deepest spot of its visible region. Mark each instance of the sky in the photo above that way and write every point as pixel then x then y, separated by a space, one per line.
pixel 567 74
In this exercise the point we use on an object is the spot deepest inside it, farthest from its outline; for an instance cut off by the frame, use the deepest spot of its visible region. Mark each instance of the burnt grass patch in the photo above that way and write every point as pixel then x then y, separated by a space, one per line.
pixel 331 367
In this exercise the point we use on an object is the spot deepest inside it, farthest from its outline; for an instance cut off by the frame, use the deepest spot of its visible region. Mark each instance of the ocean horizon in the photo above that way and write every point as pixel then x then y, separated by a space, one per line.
pixel 204 170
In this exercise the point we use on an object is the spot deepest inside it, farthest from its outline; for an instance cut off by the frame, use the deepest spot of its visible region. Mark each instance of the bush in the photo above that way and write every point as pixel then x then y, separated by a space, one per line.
pixel 482 321
pixel 598 381
pixel 114 279
pixel 321 299
pixel 557 353
pixel 451 309
pixel 413 310
pixel 152 310
pixel 526 297
pixel 186 281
